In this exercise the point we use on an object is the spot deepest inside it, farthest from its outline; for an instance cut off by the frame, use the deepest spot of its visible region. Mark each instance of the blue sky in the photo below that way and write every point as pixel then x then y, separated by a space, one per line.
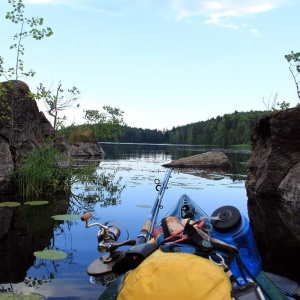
pixel 165 63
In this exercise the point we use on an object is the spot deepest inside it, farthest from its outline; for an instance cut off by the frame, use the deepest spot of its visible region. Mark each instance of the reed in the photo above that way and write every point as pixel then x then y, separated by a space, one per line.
pixel 41 173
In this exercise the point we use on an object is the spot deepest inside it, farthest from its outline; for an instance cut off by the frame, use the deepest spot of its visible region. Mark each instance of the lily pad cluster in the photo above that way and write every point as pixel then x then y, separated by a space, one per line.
pixel 15 204
pixel 66 217
pixel 21 296
pixel 9 204
pixel 143 206
pixel 50 254
pixel 56 254
pixel 36 202
pixel 45 254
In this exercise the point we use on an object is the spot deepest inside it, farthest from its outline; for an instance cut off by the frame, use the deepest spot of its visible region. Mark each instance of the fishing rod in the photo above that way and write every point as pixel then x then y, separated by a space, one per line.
pixel 114 263
pixel 147 229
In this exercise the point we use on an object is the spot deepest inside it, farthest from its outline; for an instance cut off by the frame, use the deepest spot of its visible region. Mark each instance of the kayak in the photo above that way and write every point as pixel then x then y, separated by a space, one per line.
pixel 182 261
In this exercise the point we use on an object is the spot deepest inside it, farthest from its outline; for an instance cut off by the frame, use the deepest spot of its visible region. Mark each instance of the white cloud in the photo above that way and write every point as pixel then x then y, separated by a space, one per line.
pixel 222 12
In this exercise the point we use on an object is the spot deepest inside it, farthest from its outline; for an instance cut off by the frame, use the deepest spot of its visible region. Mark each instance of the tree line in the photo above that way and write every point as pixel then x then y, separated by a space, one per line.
pixel 230 129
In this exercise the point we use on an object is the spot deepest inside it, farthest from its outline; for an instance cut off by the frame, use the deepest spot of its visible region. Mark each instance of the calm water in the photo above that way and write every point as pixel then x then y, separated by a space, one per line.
pixel 132 169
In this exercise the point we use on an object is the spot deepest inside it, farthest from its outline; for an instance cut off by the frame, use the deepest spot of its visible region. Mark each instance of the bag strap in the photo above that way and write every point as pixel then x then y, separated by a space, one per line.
pixel 197 239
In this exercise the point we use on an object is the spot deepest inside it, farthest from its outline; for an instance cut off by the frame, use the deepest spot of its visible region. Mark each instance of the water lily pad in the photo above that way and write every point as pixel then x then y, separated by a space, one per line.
pixel 9 204
pixel 21 296
pixel 67 217
pixel 50 254
pixel 143 206
pixel 37 202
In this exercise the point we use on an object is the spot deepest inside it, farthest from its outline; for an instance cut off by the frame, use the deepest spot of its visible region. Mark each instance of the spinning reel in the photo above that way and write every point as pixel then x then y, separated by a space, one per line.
pixel 101 268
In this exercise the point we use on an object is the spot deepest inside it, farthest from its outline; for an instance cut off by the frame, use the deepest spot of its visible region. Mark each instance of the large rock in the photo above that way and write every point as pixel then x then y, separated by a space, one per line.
pixel 208 160
pixel 86 149
pixel 273 189
pixel 6 166
pixel 87 153
pixel 22 128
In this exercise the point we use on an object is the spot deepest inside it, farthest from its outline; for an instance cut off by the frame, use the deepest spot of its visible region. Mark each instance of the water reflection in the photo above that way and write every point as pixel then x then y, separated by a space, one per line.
pixel 104 188
pixel 128 195
pixel 24 230
pixel 266 214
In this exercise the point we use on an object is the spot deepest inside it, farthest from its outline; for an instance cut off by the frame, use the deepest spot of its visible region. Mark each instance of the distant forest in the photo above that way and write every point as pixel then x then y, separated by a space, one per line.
pixel 231 129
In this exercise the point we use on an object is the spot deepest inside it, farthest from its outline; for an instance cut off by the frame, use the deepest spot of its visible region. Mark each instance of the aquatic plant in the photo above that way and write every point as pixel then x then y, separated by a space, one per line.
pixel 42 173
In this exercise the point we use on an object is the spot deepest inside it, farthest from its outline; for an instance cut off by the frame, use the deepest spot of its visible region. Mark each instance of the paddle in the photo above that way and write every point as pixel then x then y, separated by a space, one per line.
pixel 146 231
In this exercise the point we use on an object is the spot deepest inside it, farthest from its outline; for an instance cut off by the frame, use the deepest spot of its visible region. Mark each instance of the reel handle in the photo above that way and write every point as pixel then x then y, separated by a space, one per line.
pixel 114 246
pixel 85 217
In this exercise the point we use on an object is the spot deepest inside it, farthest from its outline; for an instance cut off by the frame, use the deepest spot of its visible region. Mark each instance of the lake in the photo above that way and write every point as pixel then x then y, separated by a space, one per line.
pixel 126 201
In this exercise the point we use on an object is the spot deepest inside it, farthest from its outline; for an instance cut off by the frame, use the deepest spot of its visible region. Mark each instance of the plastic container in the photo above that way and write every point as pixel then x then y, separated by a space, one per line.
pixel 234 229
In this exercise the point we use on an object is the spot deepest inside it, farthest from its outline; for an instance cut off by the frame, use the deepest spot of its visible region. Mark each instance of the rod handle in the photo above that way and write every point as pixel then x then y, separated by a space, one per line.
pixel 147 225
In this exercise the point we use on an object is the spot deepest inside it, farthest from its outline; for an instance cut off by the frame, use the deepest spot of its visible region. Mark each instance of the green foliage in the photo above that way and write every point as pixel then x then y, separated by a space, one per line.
pixel 102 126
pixel 107 124
pixel 231 129
pixel 295 58
pixel 283 105
pixel 139 135
pixel 45 173
pixel 57 101
pixel 28 27
pixel 42 174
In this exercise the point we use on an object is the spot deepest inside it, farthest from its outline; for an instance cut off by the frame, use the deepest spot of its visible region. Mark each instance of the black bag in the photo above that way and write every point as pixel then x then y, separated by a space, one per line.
pixel 133 257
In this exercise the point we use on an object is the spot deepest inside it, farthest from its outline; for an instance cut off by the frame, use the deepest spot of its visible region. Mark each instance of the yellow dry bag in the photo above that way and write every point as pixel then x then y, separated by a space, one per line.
pixel 176 276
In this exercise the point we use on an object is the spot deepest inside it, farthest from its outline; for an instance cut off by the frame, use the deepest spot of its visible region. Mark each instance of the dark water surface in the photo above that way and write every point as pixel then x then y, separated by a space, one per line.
pixel 132 166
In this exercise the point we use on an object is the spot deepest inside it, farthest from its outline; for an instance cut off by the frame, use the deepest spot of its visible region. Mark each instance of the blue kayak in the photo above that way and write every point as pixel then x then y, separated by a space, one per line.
pixel 186 209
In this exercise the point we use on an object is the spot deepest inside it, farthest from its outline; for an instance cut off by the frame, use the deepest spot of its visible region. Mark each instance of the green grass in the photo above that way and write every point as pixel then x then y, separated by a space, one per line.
pixel 41 173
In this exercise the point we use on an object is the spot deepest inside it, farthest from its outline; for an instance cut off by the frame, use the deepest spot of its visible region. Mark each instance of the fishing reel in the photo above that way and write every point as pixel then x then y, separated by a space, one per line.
pixel 101 269
pixel 107 235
